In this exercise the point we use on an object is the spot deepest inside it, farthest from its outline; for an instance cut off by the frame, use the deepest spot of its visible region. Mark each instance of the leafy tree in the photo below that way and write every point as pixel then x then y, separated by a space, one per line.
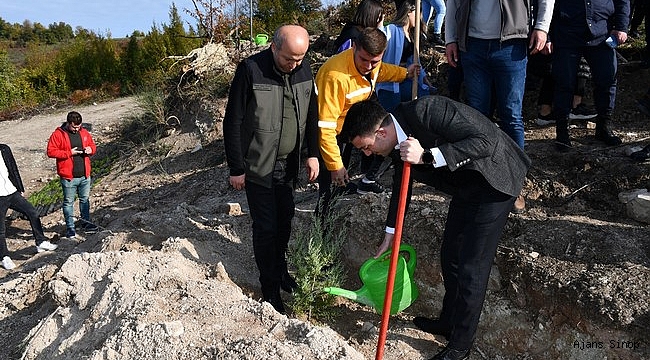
pixel 16 91
pixel 61 31
pixel 214 25
pixel 154 48
pixel 5 29
pixel 44 72
pixel 89 64
pixel 132 64
pixel 27 33
pixel 175 36
pixel 9 94
pixel 31 32
pixel 272 13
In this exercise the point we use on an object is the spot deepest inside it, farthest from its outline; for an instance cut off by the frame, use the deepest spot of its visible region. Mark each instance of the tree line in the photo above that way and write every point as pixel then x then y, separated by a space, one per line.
pixel 45 71
pixel 44 65
pixel 28 32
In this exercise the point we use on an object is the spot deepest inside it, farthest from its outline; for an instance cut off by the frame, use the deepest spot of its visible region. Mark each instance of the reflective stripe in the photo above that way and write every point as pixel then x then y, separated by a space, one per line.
pixel 327 124
pixel 358 92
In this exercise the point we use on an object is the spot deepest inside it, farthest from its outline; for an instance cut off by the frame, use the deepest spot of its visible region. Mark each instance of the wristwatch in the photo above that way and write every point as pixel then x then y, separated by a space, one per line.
pixel 427 156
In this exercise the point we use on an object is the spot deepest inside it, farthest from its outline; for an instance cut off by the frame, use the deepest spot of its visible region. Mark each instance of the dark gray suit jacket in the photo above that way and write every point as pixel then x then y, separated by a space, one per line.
pixel 476 150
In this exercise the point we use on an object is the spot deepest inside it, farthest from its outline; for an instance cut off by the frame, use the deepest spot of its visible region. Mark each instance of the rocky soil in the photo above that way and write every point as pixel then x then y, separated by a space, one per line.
pixel 171 275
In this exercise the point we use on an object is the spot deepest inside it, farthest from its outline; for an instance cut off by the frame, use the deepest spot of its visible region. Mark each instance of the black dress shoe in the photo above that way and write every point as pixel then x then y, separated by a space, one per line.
pixel 451 354
pixel 608 137
pixel 287 283
pixel 435 327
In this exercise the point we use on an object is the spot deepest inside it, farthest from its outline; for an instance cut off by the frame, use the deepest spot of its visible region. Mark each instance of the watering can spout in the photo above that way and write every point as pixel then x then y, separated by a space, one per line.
pixel 359 296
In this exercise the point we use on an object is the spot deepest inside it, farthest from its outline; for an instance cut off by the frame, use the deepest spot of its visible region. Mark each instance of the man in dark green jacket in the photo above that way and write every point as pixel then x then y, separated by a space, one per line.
pixel 272 111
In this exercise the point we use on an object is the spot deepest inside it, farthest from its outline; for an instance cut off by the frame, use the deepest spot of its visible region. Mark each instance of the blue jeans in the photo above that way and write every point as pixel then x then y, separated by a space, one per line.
pixel 389 100
pixel 76 187
pixel 441 10
pixel 502 64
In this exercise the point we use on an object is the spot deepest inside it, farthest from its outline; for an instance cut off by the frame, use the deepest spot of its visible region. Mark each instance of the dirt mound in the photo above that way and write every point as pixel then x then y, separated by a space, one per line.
pixel 166 305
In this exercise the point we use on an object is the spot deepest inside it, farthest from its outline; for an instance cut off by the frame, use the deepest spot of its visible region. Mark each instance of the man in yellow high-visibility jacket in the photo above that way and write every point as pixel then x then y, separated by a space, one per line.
pixel 345 79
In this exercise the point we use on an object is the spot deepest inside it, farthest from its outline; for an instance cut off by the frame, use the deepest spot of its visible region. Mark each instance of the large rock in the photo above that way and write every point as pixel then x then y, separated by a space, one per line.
pixel 637 203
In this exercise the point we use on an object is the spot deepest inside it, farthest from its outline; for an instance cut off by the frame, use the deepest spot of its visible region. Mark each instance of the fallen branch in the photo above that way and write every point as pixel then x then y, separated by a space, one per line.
pixel 581 188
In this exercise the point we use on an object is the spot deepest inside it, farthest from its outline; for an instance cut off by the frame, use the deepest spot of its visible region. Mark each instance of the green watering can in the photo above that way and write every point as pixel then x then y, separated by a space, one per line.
pixel 374 275
pixel 261 39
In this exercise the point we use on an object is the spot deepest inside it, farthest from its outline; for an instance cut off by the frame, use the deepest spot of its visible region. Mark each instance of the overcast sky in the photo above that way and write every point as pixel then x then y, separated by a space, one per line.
pixel 120 17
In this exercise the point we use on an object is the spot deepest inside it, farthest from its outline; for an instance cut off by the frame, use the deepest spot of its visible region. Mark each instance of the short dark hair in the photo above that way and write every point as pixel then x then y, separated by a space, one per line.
pixel 362 119
pixel 74 118
pixel 372 40
pixel 368 14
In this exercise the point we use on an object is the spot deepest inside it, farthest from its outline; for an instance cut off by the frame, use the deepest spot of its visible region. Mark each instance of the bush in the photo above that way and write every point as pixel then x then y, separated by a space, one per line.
pixel 145 128
pixel 17 91
pixel 90 63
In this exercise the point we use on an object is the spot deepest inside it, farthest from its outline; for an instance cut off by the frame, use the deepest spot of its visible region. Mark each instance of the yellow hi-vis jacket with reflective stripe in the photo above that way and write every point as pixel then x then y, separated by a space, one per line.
pixel 340 85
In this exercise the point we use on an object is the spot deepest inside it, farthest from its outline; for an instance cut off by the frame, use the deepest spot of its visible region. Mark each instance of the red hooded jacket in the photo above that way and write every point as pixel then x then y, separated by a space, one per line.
pixel 59 147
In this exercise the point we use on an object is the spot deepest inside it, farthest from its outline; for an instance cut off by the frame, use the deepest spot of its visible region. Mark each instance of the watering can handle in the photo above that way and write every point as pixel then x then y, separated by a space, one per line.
pixel 409 249
pixel 412 261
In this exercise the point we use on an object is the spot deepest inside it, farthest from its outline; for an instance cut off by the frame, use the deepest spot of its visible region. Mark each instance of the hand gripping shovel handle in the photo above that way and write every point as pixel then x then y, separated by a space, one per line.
pixel 392 268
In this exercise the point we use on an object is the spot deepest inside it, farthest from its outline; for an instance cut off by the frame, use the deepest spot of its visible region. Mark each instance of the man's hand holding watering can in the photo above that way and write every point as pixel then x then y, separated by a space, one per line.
pixel 385 245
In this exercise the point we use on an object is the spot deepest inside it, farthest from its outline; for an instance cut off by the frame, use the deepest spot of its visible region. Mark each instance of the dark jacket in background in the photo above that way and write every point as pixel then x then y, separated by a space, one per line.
pixel 350 31
pixel 587 22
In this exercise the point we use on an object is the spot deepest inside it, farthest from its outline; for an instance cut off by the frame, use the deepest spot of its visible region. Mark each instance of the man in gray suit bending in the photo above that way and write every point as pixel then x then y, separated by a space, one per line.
pixel 457 150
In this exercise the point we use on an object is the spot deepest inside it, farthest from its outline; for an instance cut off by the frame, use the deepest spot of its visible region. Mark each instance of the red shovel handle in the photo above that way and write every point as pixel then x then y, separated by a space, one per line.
pixel 392 268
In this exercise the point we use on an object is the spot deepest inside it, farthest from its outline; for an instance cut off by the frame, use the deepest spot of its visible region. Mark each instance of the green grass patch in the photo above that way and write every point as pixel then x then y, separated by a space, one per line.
pixel 52 194
pixel 48 195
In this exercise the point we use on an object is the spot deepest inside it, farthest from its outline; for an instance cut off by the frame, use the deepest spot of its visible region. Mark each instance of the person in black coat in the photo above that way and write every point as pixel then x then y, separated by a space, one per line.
pixel 589 29
pixel 11 189
pixel 459 151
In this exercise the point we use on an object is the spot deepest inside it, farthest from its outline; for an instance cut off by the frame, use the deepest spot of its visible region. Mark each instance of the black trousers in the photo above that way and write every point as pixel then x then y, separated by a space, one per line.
pixel 475 221
pixel 326 190
pixel 17 202
pixel 272 210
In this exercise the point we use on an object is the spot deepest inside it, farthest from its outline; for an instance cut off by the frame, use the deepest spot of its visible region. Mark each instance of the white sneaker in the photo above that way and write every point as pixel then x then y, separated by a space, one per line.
pixel 7 263
pixel 46 246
